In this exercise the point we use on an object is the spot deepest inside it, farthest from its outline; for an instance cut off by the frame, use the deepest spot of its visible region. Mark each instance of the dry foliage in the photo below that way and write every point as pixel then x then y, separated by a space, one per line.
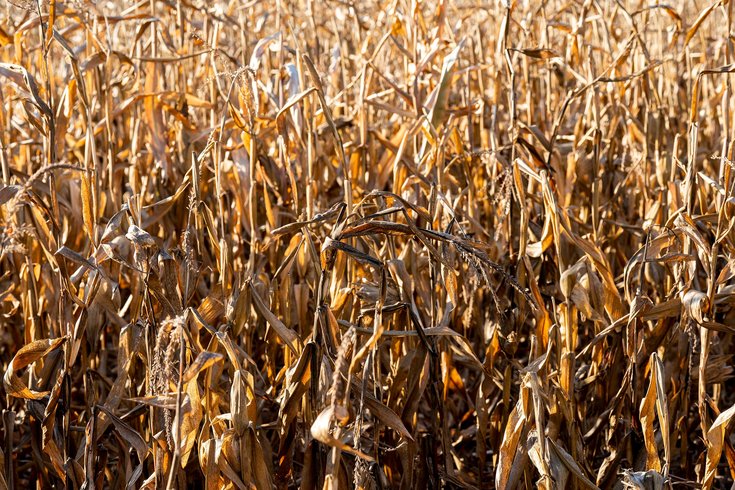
pixel 397 244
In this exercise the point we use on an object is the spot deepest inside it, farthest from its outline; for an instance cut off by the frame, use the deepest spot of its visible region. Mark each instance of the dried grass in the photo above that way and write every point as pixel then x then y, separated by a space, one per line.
pixel 343 244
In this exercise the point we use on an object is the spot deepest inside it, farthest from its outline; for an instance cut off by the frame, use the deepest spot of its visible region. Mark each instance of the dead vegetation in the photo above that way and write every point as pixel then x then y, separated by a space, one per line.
pixel 399 244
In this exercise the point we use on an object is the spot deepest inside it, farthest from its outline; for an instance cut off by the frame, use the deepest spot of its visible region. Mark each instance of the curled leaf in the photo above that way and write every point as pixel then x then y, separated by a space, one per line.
pixel 28 354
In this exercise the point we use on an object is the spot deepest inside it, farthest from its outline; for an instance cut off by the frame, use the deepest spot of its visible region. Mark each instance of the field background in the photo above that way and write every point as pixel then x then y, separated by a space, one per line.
pixel 381 244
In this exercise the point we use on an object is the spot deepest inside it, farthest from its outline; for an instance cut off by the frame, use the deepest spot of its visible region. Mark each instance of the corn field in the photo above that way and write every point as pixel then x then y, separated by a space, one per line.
pixel 482 244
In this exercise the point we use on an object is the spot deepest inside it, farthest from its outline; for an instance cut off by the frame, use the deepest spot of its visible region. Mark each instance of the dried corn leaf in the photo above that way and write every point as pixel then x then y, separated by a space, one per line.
pixel 28 354
pixel 715 445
